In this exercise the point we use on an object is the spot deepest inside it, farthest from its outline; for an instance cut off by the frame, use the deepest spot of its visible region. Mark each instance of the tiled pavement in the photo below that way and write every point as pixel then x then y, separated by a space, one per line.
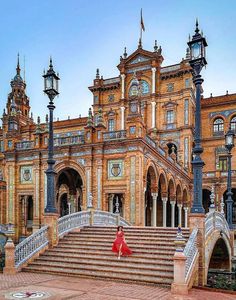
pixel 65 288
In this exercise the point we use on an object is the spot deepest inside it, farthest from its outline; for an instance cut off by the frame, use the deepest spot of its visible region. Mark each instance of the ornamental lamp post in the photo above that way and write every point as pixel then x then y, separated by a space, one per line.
pixel 197 62
pixel 229 144
pixel 51 89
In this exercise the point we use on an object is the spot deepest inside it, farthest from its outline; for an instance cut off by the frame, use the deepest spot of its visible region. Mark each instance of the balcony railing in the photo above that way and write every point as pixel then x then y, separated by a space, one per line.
pixel 69 140
pixel 25 145
pixel 114 135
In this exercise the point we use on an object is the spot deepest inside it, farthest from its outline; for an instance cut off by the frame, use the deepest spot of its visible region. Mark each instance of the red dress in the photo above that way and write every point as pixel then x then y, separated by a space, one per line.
pixel 120 241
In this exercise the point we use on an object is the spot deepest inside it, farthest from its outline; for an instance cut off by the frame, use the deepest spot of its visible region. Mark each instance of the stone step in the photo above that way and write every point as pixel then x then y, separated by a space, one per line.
pixel 157 256
pixel 164 280
pixel 82 237
pixel 105 268
pixel 109 244
pixel 131 231
pixel 91 248
pixel 122 263
pixel 111 258
pixel 105 241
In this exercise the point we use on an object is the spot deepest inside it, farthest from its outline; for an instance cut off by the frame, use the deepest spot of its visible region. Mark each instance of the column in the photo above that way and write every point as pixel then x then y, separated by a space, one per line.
pixel 172 213
pixel 122 118
pixel 154 209
pixel 110 199
pixel 164 201
pixel 153 114
pixel 154 80
pixel 185 217
pixel 122 86
pixel 180 214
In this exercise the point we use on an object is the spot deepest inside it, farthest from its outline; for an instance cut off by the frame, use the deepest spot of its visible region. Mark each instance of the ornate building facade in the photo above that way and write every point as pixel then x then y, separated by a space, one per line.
pixel 131 155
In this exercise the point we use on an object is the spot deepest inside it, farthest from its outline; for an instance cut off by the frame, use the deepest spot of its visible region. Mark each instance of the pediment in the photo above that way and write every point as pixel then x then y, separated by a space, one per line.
pixel 138 59
pixel 169 104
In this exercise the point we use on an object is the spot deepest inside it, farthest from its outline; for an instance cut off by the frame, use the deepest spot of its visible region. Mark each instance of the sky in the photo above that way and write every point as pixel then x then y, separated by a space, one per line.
pixel 83 35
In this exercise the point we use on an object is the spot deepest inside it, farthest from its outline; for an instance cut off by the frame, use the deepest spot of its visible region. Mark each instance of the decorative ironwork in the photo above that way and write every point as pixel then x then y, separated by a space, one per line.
pixel 190 251
pixel 31 245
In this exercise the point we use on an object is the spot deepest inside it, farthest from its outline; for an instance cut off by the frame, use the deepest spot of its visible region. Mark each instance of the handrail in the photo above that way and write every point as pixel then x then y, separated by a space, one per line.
pixel 72 221
pixel 190 251
pixel 107 218
pixel 31 245
pixel 88 218
pixel 216 220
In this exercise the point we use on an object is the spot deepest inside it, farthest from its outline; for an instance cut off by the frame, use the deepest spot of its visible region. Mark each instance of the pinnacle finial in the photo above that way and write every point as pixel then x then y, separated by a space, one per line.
pixel 140 43
pixel 125 53
pixel 197 29
pixel 187 53
pixel 155 46
pixel 18 64
pixel 97 74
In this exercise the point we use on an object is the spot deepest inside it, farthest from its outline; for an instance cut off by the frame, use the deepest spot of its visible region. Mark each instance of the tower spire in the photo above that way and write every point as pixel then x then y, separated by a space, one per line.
pixel 18 64
pixel 197 29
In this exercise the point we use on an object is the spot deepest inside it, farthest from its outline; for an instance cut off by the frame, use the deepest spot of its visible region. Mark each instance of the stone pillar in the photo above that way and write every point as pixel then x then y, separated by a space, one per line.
pixel 198 220
pixel 9 268
pixel 164 201
pixel 179 286
pixel 122 118
pixel 110 199
pixel 172 213
pixel 185 217
pixel 154 80
pixel 154 209
pixel 153 114
pixel 180 214
pixel 50 219
pixel 122 86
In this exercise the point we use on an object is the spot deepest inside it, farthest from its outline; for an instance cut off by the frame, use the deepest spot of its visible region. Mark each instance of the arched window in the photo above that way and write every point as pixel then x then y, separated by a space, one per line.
pixel 134 88
pixel 233 123
pixel 218 125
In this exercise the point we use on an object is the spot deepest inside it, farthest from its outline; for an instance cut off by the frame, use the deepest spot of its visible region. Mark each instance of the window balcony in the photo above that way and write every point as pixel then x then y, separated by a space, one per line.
pixel 69 140
pixel 25 145
pixel 114 135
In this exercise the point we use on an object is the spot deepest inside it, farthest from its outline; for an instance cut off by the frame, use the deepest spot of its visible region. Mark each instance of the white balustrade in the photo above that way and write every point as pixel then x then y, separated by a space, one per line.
pixel 216 221
pixel 190 251
pixel 31 245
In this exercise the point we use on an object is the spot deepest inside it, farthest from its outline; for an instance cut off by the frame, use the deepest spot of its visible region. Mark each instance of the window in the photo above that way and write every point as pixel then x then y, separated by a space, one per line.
pixel 111 125
pixel 95 99
pixel 111 97
pixel 9 144
pixel 218 125
pixel 223 163
pixel 233 123
pixel 144 87
pixel 134 88
pixel 170 116
pixel 186 104
pixel 170 87
pixel 187 83
pixel 132 129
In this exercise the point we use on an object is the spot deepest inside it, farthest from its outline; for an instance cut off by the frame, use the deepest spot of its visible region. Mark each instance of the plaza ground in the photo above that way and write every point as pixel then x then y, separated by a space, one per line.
pixel 66 288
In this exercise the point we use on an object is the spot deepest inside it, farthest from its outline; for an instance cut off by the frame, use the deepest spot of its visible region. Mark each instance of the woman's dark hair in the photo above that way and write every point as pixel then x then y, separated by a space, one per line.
pixel 118 228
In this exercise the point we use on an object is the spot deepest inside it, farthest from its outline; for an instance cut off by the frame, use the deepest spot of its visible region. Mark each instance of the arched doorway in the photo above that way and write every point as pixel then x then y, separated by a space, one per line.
pixel 69 191
pixel 220 257
pixel 206 200
pixel 151 187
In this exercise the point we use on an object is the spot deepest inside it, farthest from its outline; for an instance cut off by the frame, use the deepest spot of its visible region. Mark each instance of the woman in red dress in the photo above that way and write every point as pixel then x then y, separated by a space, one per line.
pixel 119 245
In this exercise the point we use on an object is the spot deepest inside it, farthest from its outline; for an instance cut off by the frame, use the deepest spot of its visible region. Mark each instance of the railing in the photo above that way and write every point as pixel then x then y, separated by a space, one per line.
pixel 111 80
pixel 107 218
pixel 114 135
pixel 69 140
pixel 216 220
pixel 150 141
pixel 190 251
pixel 30 246
pixel 3 228
pixel 72 221
pixel 88 218
pixel 24 145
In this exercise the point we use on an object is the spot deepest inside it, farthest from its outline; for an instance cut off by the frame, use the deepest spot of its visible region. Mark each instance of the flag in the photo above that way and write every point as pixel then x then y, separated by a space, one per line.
pixel 141 22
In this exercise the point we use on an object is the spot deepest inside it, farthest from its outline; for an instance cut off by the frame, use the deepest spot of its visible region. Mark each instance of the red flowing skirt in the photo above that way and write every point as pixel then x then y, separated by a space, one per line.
pixel 125 250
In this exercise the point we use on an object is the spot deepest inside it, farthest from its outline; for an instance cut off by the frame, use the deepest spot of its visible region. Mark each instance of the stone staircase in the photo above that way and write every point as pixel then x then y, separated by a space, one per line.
pixel 88 254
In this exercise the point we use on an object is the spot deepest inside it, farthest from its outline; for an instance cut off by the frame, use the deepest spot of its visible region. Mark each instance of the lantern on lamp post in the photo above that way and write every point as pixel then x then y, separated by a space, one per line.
pixel 51 80
pixel 197 61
